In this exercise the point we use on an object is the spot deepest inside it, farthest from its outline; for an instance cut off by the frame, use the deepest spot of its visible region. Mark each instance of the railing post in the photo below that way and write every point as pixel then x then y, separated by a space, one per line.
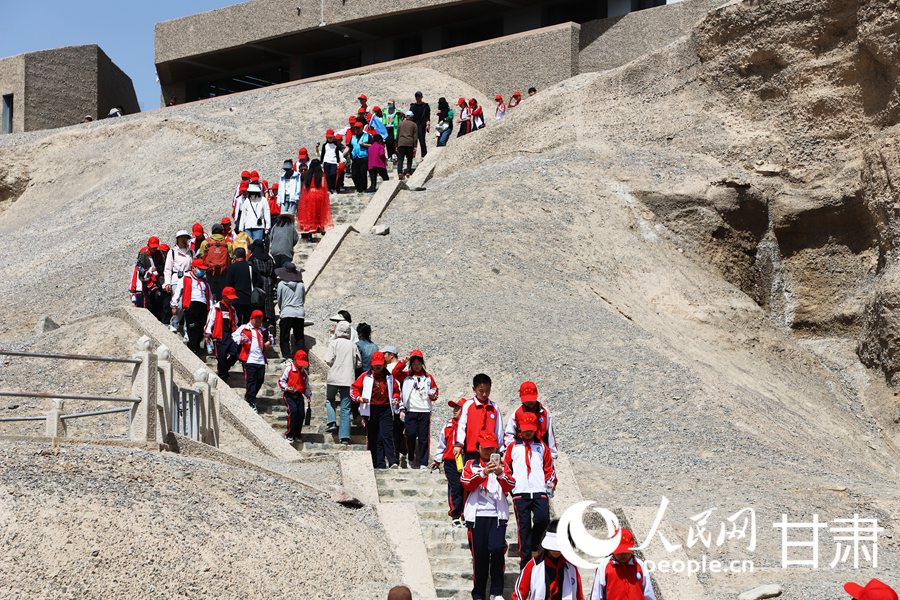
pixel 144 413
pixel 164 391
pixel 56 427
pixel 201 384
pixel 212 433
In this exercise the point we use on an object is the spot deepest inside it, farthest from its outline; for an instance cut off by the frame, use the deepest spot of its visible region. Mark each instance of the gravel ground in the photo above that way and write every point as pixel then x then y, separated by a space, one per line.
pixel 93 522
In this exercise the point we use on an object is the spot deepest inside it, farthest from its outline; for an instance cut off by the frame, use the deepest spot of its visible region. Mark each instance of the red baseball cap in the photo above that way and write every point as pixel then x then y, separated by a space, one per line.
pixel 874 590
pixel 352 119
pixel 254 176
pixel 362 97
pixel 361 110
pixel 153 242
pixel 198 264
pixel 456 403
pixel 528 422
pixel 487 439
pixel 339 137
pixel 498 97
pixel 301 358
pixel 417 354
pixel 245 185
pixel 357 124
pixel 376 108
pixel 228 292
pixel 626 542
pixel 226 220
pixel 329 133
pixel 304 153
pixel 257 313
pixel 245 174
pixel 461 102
pixel 517 93
pixel 275 186
pixel 528 392
pixel 378 358
pixel 197 229
pixel 164 247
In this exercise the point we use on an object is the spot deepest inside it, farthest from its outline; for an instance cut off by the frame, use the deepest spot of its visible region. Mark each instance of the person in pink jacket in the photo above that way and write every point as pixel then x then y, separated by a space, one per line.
pixel 377 162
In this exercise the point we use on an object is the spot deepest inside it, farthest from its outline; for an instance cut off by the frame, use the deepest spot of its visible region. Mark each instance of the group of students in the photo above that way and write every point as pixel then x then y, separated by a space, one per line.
pixel 484 462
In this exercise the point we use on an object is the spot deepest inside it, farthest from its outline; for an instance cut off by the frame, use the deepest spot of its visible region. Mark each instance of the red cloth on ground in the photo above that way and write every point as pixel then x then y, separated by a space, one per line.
pixel 314 212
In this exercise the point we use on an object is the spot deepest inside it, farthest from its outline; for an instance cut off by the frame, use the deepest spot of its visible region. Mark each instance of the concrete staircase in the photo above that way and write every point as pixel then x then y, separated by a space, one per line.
pixel 345 209
pixel 448 550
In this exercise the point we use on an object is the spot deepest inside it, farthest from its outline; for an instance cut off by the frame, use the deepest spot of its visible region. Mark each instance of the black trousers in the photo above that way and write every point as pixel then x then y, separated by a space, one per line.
pixel 454 489
pixel 532 518
pixel 254 376
pixel 358 171
pixel 404 152
pixel 243 312
pixel 390 143
pixel 423 148
pixel 418 429
pixel 399 435
pixel 330 170
pixel 374 173
pixel 216 283
pixel 296 412
pixel 194 322
pixel 226 352
pixel 291 338
pixel 165 308
pixel 381 435
pixel 487 542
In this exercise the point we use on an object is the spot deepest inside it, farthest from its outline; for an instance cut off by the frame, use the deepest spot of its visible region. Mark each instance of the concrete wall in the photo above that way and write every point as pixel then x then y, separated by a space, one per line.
pixel 610 43
pixel 60 86
pixel 12 81
pixel 114 87
pixel 259 19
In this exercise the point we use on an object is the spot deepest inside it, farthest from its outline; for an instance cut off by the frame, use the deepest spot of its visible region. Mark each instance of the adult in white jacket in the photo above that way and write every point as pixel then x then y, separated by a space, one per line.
pixel 255 218
pixel 178 263
pixel 343 359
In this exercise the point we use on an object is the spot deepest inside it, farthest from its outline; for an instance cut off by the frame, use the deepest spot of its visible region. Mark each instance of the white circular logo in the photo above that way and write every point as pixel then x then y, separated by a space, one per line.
pixel 571 523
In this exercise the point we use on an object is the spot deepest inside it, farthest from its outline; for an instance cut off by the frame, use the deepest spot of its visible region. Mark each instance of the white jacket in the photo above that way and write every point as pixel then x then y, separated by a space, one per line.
pixel 486 493
pixel 532 583
pixel 177 259
pixel 342 356
pixel 535 475
pixel 253 210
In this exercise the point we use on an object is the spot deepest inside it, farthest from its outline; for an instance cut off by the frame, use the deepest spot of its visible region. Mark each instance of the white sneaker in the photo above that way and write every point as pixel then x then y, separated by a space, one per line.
pixel 424 468
pixel 173 329
pixel 394 466
pixel 186 338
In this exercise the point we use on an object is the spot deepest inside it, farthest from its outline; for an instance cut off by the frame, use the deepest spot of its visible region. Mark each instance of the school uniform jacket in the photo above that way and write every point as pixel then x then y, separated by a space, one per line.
pixel 445 449
pixel 532 583
pixel 215 321
pixel 361 391
pixel 191 289
pixel 252 343
pixel 529 466
pixel 475 418
pixel 296 378
pixel 485 494
pixel 618 581
pixel 544 431
pixel 407 381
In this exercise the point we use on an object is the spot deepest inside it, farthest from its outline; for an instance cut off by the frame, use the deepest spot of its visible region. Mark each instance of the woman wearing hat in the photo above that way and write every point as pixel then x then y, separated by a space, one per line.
pixel 549 575
pixel 290 295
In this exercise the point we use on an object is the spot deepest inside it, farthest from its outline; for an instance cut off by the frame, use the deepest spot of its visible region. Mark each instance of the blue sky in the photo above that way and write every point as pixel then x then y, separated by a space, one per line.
pixel 123 29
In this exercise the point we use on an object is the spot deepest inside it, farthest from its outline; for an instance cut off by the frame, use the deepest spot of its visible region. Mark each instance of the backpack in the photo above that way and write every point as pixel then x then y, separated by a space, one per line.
pixel 243 240
pixel 217 258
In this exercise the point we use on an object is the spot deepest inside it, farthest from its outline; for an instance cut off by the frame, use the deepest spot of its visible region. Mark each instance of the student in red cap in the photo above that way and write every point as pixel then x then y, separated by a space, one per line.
pixel 623 576
pixel 549 575
pixel 330 154
pixel 528 463
pixel 147 277
pixel 486 513
pixel 194 296
pixel 479 413
pixel 528 394
pixel 198 236
pixel 237 205
pixel 874 590
pixel 477 114
pixel 245 181
pixel 363 104
pixel 294 383
pixel 302 160
pixel 515 100
pixel 452 466
pixel 465 118
pixel 418 392
pixel 220 324
pixel 227 231
pixel 253 342
pixel 374 391
pixel 500 110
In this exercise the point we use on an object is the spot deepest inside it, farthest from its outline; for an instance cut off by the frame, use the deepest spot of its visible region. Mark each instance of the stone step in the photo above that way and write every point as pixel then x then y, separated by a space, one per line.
pixel 448 580
pixel 328 447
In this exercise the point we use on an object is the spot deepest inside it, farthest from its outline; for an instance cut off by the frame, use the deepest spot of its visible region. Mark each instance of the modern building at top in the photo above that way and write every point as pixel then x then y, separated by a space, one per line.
pixel 264 42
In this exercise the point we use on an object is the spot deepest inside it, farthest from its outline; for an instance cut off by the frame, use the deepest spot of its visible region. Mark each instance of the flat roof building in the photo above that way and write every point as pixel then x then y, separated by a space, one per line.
pixel 265 42
pixel 55 88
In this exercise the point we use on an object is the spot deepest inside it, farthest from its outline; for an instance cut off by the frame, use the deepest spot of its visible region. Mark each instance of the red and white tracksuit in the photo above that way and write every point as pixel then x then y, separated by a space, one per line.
pixel 444 455
pixel 622 581
pixel 475 418
pixel 529 465
pixel 532 582
pixel 544 431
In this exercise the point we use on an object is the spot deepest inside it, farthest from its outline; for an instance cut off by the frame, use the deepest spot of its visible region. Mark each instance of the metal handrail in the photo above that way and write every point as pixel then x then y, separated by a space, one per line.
pixel 68 396
pixel 13 419
pixel 95 413
pixel 133 361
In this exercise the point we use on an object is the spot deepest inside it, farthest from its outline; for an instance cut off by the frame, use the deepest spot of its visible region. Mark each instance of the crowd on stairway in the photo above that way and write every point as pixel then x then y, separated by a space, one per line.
pixel 230 291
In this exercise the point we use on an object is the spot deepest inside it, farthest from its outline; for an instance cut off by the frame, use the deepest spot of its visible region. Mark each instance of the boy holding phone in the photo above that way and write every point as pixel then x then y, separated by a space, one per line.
pixel 486 513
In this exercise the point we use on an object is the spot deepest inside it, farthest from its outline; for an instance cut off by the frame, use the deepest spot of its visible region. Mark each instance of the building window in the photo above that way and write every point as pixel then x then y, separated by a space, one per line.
pixel 410 45
pixel 471 32
pixel 7 113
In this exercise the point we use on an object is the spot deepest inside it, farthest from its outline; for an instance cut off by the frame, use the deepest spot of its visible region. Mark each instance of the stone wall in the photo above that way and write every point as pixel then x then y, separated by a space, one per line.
pixel 610 43
pixel 61 86
pixel 12 81
pixel 114 87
